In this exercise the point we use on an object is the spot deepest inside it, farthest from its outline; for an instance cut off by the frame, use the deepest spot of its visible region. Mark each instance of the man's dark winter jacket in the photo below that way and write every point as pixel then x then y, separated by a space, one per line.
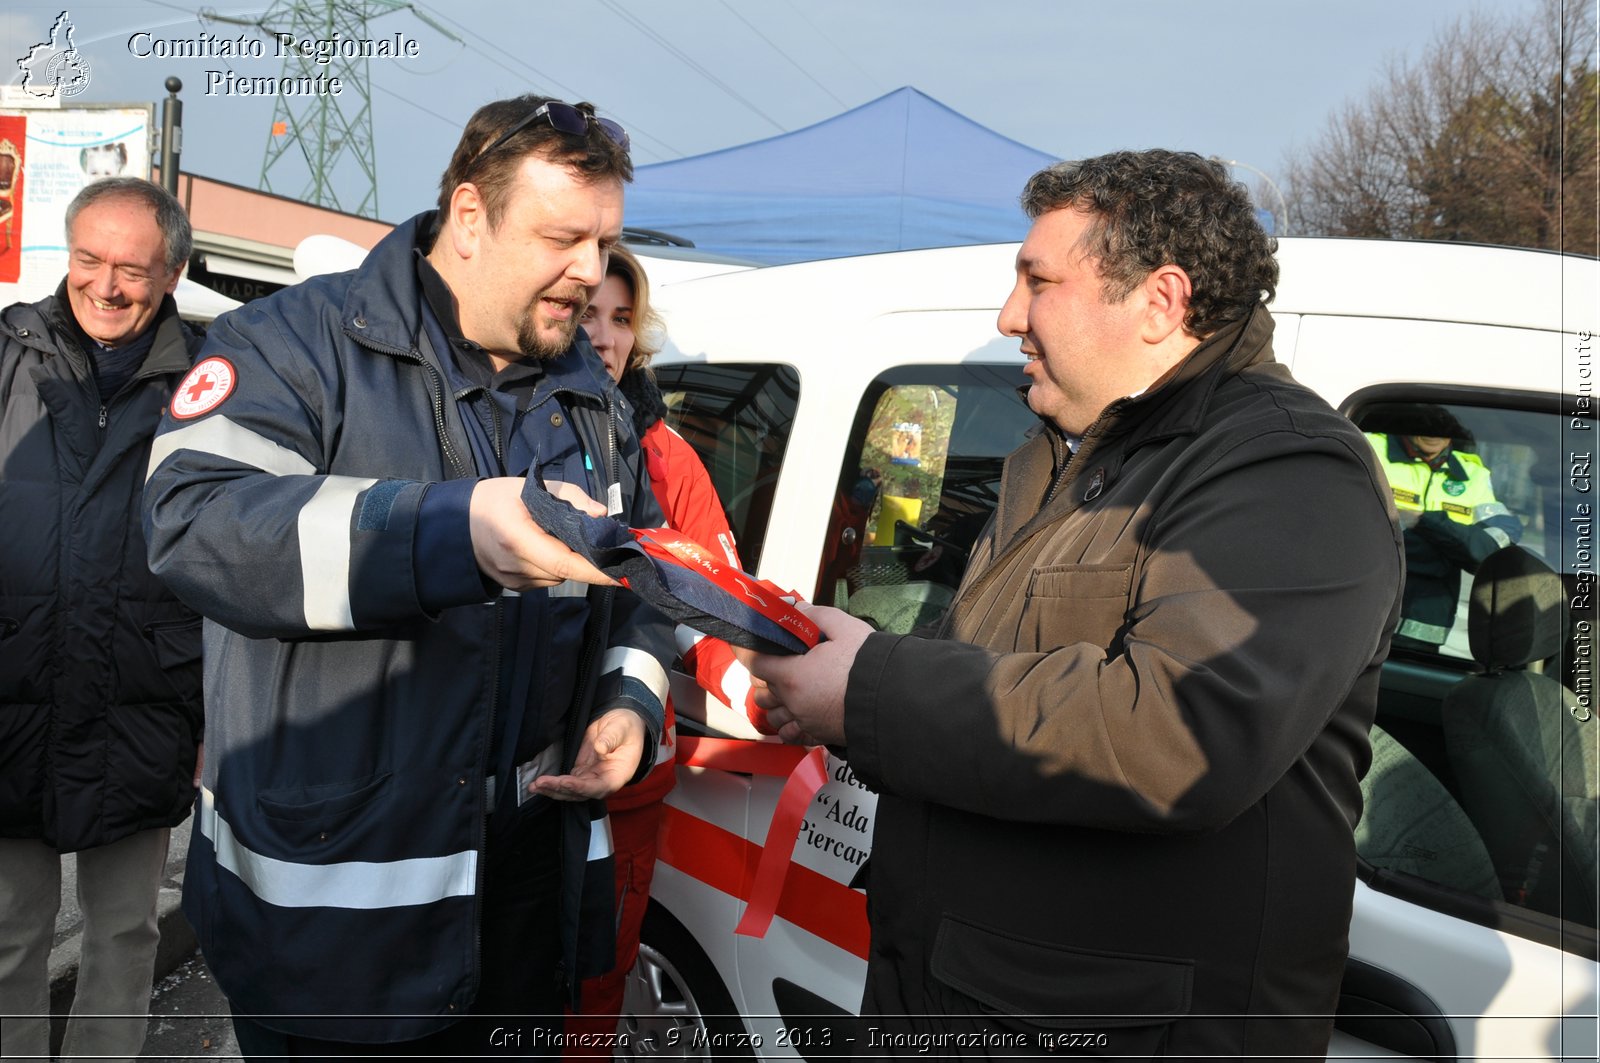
pixel 336 865
pixel 99 664
pixel 1121 791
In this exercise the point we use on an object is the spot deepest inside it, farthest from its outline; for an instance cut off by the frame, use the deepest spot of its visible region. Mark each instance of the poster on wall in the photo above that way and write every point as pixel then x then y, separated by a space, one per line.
pixel 59 151
pixel 13 142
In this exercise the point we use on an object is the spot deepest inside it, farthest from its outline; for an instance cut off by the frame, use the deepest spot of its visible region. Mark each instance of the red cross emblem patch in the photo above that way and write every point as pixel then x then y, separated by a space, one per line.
pixel 208 383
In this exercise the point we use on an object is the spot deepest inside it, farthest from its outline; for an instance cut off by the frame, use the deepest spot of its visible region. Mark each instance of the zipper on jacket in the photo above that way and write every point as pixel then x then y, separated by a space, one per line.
pixel 105 404
pixel 1057 445
pixel 613 459
pixel 140 375
pixel 494 436
pixel 1086 445
pixel 611 438
pixel 435 397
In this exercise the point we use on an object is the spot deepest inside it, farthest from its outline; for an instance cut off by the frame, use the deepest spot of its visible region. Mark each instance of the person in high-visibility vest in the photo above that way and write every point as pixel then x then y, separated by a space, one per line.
pixel 1451 518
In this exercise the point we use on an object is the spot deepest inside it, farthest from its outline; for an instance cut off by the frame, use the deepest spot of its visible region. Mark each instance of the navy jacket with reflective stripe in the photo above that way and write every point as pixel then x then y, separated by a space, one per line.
pixel 335 868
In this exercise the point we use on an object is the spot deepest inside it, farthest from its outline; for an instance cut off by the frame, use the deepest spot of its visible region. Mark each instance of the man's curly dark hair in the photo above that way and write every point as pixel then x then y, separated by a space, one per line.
pixel 1156 207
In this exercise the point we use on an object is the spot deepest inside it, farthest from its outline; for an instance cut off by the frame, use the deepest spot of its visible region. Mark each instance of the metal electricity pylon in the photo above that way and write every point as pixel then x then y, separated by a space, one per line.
pixel 320 146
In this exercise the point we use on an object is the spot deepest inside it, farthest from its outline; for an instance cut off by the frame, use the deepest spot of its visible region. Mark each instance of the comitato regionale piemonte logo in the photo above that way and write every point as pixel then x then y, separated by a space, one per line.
pixel 55 67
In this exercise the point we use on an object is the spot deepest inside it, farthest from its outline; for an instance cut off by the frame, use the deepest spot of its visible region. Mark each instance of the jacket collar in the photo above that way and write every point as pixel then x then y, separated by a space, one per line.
pixel 171 351
pixel 1450 465
pixel 1173 407
pixel 51 322
pixel 383 307
pixel 1177 404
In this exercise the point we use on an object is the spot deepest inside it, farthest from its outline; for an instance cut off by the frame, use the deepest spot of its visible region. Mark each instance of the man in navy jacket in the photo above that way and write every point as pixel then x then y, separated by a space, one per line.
pixel 421 694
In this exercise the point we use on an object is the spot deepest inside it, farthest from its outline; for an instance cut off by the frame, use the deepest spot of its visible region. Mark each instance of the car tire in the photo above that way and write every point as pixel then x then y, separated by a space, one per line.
pixel 674 1005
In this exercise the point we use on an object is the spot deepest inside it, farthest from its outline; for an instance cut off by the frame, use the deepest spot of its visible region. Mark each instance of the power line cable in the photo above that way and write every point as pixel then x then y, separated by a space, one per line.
pixel 206 15
pixel 877 85
pixel 642 27
pixel 774 46
pixel 187 9
pixel 527 68
pixel 453 123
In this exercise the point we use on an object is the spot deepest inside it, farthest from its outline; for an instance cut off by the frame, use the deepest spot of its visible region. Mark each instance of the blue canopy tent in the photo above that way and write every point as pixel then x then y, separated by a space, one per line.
pixel 900 172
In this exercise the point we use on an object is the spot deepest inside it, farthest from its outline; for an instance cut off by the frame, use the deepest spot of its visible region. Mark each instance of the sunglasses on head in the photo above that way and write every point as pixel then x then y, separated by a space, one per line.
pixel 563 118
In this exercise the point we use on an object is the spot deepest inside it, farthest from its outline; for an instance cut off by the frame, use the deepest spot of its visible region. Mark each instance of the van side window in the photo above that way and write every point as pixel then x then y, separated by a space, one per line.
pixel 737 417
pixel 920 478
pixel 1486 765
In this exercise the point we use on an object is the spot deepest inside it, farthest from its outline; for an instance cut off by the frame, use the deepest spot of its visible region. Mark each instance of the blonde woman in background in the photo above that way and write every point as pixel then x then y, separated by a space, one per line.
pixel 626 333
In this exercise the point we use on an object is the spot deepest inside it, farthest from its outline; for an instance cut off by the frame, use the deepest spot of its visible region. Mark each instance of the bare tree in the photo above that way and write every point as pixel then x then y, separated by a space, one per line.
pixel 1489 137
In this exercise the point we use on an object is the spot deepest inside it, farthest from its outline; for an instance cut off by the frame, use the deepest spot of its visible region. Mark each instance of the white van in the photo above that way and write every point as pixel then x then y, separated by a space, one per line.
pixel 854 414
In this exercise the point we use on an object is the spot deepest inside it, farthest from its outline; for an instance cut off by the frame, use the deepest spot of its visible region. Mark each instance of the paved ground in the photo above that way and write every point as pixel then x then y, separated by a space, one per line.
pixel 189 1018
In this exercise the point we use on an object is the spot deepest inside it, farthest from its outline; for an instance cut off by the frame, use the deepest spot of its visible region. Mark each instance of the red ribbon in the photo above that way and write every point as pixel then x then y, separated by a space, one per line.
pixel 763 597
pixel 739 754
pixel 804 773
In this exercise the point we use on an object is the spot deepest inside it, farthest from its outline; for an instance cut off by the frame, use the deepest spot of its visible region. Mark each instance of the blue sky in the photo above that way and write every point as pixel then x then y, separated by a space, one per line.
pixel 1245 79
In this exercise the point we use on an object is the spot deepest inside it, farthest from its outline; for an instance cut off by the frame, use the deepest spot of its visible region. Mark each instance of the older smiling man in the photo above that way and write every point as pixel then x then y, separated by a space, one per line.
pixel 100 713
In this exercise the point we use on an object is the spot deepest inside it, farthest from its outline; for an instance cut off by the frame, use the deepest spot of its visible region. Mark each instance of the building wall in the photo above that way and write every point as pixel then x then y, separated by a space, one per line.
pixel 250 214
pixel 244 239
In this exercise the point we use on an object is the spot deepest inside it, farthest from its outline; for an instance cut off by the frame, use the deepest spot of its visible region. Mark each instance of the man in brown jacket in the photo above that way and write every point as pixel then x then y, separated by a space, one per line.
pixel 1120 804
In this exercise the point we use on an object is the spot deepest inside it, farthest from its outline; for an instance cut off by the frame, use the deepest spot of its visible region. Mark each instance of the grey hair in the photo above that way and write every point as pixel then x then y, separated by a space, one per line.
pixel 171 218
pixel 1157 207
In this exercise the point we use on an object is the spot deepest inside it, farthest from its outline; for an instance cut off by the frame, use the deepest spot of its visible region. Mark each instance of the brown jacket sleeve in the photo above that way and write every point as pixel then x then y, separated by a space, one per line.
pixel 1257 597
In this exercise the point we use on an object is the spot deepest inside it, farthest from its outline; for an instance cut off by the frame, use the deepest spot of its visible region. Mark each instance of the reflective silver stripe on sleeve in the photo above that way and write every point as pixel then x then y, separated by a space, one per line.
pixel 600 838
pixel 223 438
pixel 1489 509
pixel 686 637
pixel 324 526
pixel 638 664
pixel 1500 536
pixel 352 884
pixel 567 588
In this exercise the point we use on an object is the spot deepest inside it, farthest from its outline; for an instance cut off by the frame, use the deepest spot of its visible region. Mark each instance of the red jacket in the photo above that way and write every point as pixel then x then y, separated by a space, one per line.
pixel 687 497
